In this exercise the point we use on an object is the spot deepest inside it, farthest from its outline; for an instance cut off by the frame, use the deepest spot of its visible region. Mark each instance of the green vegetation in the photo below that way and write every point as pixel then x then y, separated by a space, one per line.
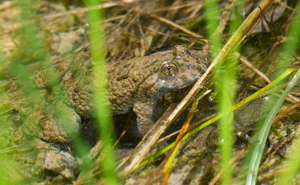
pixel 100 90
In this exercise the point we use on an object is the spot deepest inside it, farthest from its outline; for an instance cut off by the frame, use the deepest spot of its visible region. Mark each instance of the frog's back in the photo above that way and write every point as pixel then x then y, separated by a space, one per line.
pixel 127 78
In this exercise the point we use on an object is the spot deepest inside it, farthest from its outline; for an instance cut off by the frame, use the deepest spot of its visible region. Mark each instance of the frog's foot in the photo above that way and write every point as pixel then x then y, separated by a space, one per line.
pixel 57 131
pixel 144 125
pixel 144 120
pixel 61 163
pixel 49 161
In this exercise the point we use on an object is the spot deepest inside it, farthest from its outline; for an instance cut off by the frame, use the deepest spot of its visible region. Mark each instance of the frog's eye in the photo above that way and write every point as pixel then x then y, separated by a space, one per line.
pixel 169 69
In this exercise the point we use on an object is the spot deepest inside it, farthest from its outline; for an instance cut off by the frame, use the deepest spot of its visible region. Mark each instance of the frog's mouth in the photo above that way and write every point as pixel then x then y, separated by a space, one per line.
pixel 185 86
pixel 179 81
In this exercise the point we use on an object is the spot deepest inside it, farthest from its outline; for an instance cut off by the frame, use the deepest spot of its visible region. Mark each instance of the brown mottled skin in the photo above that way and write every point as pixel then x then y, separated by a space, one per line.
pixel 137 83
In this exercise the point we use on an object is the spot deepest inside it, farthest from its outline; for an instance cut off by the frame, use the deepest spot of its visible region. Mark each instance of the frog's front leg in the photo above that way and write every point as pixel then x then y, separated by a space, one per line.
pixel 144 112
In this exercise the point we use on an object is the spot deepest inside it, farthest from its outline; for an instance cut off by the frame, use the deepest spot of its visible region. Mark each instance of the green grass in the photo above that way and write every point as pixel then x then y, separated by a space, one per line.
pixel 100 91
pixel 223 75
pixel 4 133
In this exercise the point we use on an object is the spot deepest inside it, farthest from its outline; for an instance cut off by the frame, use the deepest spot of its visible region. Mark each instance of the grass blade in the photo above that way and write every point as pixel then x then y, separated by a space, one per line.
pixel 100 91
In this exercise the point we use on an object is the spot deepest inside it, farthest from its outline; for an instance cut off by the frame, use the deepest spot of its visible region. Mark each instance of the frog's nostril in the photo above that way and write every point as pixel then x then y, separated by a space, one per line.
pixel 189 51
pixel 190 66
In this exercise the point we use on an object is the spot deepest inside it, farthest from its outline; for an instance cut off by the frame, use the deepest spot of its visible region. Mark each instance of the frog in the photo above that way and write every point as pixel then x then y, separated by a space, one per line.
pixel 135 84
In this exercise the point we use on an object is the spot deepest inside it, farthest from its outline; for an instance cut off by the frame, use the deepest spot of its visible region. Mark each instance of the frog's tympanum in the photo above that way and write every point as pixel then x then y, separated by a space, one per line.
pixel 136 83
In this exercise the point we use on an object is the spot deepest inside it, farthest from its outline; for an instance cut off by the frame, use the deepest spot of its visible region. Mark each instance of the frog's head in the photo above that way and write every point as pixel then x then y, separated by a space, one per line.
pixel 184 68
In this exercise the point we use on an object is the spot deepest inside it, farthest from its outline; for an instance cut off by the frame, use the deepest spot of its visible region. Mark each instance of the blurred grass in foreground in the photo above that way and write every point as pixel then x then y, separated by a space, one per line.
pixel 103 113
pixel 32 50
pixel 225 81
pixel 4 128
pixel 225 94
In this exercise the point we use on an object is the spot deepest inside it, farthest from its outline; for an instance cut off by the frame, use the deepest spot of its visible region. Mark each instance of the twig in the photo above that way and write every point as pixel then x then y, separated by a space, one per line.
pixel 286 111
pixel 248 64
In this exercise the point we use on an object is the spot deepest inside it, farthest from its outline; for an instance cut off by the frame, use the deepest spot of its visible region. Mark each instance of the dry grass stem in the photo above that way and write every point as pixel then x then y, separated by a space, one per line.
pixel 7 4
pixel 178 27
pixel 248 64
pixel 224 19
